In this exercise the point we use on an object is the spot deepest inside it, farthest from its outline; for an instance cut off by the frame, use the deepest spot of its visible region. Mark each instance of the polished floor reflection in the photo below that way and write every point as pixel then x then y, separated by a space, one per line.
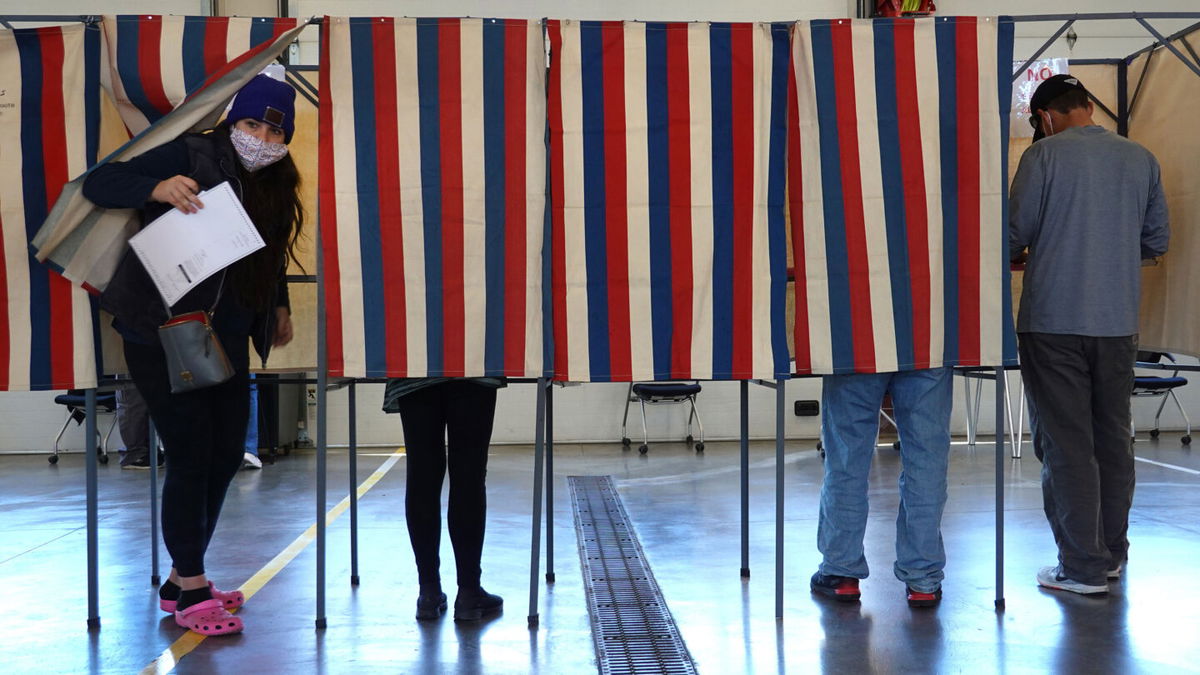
pixel 685 508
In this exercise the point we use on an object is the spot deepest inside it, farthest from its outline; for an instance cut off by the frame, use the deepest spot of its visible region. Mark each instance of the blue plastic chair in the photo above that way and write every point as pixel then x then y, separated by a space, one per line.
pixel 662 392
pixel 1150 386
pixel 76 402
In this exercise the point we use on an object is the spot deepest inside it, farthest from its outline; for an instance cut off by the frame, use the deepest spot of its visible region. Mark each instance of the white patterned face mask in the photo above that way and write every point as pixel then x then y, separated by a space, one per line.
pixel 254 152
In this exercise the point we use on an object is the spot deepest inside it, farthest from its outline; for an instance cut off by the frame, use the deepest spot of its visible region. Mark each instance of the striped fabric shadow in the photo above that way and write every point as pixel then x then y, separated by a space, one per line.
pixel 631 625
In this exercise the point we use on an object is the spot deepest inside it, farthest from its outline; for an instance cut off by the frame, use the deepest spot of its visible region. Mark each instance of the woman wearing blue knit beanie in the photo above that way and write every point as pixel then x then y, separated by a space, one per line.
pixel 203 431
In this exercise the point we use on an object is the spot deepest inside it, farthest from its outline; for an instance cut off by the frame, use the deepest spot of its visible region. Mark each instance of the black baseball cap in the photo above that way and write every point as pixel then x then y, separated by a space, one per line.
pixel 1050 89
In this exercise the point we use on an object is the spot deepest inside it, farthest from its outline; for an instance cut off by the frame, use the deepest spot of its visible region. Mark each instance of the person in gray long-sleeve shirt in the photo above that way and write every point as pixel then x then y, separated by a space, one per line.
pixel 1086 206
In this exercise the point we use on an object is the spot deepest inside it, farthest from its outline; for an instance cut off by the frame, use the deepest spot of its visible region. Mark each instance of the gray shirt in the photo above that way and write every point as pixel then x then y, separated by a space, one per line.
pixel 1089 205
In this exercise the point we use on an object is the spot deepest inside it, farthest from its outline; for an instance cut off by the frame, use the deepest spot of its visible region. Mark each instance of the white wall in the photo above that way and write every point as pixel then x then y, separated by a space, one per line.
pixel 583 413
pixel 28 421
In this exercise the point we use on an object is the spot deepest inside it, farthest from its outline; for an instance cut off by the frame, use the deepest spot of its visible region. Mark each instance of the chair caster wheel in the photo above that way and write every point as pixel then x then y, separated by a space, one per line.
pixel 1154 433
pixel 689 440
pixel 625 442
pixel 1186 440
pixel 53 459
pixel 643 448
pixel 700 447
pixel 896 446
pixel 103 459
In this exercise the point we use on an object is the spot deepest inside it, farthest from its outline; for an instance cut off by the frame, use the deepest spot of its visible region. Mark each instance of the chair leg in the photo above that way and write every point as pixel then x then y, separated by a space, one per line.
pixel 973 419
pixel 58 438
pixel 691 414
pixel 107 436
pixel 1008 411
pixel 967 410
pixel 1022 403
pixel 699 424
pixel 1161 405
pixel 645 435
pixel 625 417
pixel 1187 438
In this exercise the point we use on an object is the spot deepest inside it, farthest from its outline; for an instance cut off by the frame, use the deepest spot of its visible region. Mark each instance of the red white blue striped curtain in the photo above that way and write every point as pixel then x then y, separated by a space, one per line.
pixel 49 127
pixel 154 61
pixel 667 148
pixel 84 242
pixel 432 187
pixel 896 171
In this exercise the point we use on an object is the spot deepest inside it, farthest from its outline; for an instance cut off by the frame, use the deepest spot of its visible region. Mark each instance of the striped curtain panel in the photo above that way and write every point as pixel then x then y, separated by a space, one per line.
pixel 85 242
pixel 667 149
pixel 49 127
pixel 896 173
pixel 432 186
pixel 154 61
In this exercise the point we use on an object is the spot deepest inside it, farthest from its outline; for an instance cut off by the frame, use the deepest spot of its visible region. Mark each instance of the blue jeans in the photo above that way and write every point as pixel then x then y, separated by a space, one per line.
pixel 252 427
pixel 849 426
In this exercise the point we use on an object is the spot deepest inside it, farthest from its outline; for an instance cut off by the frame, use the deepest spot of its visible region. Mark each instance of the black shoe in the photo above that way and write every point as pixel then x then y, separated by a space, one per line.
pixel 843 589
pixel 430 605
pixel 140 462
pixel 473 605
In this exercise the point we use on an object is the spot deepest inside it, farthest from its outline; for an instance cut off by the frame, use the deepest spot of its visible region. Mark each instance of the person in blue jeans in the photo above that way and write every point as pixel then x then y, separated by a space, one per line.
pixel 251 460
pixel 849 427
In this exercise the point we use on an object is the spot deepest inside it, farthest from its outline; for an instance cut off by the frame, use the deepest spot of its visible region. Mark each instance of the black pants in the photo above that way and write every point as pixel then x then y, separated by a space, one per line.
pixel 1079 389
pixel 203 433
pixel 461 413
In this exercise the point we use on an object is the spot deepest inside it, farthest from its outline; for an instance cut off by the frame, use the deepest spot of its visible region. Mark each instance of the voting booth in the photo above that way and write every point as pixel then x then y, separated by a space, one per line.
pixel 583 201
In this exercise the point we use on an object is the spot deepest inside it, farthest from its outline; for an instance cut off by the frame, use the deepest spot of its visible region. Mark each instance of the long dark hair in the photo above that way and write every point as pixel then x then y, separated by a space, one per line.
pixel 271 197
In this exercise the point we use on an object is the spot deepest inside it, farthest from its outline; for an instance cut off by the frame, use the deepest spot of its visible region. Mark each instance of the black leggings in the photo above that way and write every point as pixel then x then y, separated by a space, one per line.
pixel 203 434
pixel 462 411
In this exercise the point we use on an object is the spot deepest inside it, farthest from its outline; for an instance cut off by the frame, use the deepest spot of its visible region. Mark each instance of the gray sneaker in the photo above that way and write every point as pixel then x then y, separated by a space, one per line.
pixel 1053 578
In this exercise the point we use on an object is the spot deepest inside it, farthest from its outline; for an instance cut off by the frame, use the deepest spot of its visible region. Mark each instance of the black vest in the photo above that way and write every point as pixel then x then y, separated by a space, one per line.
pixel 131 296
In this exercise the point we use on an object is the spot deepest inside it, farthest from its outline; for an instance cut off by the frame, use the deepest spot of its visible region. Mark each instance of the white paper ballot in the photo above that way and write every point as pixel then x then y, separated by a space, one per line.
pixel 181 249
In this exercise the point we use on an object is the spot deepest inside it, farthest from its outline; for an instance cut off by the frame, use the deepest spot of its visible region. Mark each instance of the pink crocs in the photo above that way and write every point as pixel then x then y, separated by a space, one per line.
pixel 229 599
pixel 208 618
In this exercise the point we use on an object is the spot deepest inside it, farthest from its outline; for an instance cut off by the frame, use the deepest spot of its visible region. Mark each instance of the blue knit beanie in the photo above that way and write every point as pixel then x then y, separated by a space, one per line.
pixel 267 100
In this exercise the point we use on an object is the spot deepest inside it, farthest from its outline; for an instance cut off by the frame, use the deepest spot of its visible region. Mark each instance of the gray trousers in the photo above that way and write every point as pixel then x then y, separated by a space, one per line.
pixel 134 420
pixel 1079 388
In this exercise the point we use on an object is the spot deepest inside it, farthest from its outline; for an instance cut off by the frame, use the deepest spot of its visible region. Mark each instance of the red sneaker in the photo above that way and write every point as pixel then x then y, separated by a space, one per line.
pixel 843 589
pixel 921 599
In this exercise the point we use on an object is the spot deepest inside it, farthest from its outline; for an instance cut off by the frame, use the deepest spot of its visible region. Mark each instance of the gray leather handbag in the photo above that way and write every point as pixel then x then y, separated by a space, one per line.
pixel 195 358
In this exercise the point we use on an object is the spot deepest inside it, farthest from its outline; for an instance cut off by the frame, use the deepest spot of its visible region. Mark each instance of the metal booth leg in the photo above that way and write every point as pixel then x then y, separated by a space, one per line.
pixel 779 557
pixel 155 579
pixel 93 559
pixel 539 440
pixel 549 483
pixel 354 579
pixel 745 478
pixel 1000 410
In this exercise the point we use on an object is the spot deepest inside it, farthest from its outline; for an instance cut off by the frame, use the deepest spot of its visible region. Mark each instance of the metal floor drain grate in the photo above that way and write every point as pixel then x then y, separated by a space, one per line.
pixel 631 625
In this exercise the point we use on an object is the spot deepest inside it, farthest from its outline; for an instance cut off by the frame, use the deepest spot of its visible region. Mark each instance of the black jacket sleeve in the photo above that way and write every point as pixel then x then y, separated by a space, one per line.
pixel 122 185
pixel 282 298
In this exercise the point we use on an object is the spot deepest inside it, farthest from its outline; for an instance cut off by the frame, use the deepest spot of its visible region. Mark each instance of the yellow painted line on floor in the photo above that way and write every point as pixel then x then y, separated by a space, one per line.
pixel 170 657
pixel 1169 466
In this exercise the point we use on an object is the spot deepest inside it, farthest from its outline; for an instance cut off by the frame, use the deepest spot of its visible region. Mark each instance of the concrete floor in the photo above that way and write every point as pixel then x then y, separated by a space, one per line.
pixel 685 508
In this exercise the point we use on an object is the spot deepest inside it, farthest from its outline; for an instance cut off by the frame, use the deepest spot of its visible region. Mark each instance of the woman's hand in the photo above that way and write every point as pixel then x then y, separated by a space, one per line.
pixel 283 327
pixel 180 192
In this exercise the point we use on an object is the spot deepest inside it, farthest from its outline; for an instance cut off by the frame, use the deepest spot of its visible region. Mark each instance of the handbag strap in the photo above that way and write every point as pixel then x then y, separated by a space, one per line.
pixel 213 310
pixel 220 289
